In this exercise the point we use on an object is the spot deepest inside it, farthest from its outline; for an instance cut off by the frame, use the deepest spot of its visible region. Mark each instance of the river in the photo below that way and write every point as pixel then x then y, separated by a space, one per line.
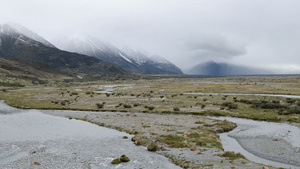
pixel 29 137
pixel 245 94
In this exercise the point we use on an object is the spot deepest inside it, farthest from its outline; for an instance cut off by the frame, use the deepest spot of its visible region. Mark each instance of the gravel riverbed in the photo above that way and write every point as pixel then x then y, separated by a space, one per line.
pixel 160 123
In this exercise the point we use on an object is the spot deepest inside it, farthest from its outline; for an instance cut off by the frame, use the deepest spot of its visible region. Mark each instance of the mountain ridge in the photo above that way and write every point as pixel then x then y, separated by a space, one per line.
pixel 212 68
pixel 133 60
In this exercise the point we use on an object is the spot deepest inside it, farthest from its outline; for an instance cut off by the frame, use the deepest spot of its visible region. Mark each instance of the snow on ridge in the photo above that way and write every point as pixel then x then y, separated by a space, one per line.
pixel 125 58
pixel 96 46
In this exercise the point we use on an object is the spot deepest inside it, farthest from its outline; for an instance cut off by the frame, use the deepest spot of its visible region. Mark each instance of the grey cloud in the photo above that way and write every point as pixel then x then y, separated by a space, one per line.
pixel 215 47
pixel 184 32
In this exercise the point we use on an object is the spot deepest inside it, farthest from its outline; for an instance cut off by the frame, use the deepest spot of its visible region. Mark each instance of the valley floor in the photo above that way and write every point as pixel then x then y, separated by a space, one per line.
pixel 166 111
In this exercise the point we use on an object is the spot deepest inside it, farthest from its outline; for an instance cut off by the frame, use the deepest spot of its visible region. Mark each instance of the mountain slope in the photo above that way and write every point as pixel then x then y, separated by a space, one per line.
pixel 22 68
pixel 32 35
pixel 151 63
pixel 130 59
pixel 224 69
pixel 14 45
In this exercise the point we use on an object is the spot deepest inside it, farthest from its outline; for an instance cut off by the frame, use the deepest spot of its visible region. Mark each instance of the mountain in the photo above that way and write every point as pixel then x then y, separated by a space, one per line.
pixel 224 69
pixel 16 45
pixel 147 63
pixel 17 28
pixel 127 58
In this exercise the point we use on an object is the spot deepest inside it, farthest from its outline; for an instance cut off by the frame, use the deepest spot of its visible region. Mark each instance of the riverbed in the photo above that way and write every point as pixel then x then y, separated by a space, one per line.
pixel 270 143
pixel 30 138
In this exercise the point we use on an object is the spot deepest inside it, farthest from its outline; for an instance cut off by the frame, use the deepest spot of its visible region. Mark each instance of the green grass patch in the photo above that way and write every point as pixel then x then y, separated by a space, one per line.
pixel 232 155
pixel 173 141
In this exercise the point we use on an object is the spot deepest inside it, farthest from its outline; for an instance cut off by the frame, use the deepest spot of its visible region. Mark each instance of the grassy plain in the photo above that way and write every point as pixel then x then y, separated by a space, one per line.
pixel 168 95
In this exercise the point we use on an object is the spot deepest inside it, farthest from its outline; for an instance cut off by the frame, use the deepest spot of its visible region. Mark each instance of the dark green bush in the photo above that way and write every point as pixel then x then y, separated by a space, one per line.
pixel 176 109
pixel 151 107
pixel 294 110
pixel 230 105
pixel 100 105
pixel 127 106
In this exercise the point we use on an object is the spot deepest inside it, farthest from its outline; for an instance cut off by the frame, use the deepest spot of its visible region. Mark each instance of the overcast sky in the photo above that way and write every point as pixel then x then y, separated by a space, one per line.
pixel 264 33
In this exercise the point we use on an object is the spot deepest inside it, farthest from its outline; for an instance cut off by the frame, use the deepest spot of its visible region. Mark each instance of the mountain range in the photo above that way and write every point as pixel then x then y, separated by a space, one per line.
pixel 212 68
pixel 128 58
pixel 78 54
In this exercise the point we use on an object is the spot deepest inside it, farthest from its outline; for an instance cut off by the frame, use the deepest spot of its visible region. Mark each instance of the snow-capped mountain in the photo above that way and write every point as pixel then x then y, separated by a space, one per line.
pixel 128 58
pixel 152 63
pixel 17 28
pixel 16 45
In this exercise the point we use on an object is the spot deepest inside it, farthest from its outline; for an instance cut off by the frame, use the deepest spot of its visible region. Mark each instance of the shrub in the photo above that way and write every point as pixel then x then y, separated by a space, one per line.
pixel 136 104
pixel 294 110
pixel 272 106
pixel 74 93
pixel 202 106
pixel 116 161
pixel 100 105
pixel 151 107
pixel 127 106
pixel 153 147
pixel 176 109
pixel 124 158
pixel 290 100
pixel 174 95
pixel 230 105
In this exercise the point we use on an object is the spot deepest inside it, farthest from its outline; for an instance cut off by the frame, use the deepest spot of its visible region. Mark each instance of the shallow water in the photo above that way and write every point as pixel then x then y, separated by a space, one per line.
pixel 28 136
pixel 240 94
pixel 275 144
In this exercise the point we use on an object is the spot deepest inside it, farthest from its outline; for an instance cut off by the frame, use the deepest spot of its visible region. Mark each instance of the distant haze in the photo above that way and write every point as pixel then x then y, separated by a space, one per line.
pixel 256 33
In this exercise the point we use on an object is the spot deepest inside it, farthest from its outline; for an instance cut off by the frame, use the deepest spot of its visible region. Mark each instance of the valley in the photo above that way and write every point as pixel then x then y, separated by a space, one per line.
pixel 167 110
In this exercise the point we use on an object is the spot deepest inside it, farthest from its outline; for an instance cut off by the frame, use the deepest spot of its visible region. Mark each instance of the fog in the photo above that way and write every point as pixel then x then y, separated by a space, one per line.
pixel 262 33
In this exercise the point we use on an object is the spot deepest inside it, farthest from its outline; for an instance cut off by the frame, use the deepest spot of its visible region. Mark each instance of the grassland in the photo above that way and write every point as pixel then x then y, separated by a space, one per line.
pixel 172 95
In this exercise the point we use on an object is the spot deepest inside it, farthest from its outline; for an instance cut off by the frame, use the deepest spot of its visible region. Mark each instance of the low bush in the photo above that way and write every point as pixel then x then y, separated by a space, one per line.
pixel 294 110
pixel 127 106
pixel 151 107
pixel 153 147
pixel 100 105
pixel 230 105
pixel 176 109
pixel 136 104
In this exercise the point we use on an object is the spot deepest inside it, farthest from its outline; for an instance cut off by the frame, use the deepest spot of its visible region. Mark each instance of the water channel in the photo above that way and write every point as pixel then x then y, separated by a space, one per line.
pixel 275 144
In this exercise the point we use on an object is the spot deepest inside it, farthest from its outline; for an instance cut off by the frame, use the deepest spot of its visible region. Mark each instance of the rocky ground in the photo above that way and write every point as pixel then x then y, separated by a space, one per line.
pixel 153 127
